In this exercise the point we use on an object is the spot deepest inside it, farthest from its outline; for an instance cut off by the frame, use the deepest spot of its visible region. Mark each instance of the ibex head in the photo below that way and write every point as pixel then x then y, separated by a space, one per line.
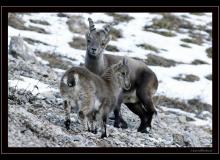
pixel 97 40
pixel 123 73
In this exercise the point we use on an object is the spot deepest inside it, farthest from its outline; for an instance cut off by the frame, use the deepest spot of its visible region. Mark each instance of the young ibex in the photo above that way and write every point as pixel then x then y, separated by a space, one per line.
pixel 144 82
pixel 92 94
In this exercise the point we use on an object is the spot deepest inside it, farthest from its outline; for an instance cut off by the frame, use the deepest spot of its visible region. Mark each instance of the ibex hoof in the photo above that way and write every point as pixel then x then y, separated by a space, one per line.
pixel 122 125
pixel 146 130
pixel 103 135
pixel 116 125
pixel 94 131
pixel 67 124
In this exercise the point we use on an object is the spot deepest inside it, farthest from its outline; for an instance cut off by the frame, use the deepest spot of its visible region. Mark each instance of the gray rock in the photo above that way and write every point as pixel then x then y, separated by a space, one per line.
pixel 17 47
pixel 178 139
pixel 182 119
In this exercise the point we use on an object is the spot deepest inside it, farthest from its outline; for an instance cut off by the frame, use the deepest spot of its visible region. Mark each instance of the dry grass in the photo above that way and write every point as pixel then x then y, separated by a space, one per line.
pixel 148 47
pixel 198 62
pixel 118 18
pixel 112 48
pixel 160 61
pixel 78 43
pixel 209 52
pixel 187 77
pixel 169 22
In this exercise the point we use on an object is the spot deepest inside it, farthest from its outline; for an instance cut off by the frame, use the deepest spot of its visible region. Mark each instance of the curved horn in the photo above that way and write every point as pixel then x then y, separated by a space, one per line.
pixel 107 28
pixel 91 25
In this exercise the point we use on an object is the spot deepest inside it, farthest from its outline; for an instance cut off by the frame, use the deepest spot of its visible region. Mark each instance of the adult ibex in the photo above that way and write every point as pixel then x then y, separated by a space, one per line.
pixel 144 82
pixel 92 94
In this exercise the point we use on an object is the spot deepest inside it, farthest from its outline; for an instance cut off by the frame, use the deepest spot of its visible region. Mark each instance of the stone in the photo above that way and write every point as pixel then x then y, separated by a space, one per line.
pixel 182 119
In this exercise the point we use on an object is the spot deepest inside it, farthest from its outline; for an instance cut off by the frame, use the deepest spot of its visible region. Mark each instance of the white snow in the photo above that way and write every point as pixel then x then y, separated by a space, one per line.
pixel 29 85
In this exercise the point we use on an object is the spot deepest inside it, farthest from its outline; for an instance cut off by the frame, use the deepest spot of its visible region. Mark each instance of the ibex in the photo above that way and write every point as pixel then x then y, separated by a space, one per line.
pixel 92 94
pixel 144 82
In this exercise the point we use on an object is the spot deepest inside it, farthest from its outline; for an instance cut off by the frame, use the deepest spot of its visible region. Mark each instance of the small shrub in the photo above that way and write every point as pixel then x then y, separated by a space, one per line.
pixel 170 22
pixel 120 17
pixel 33 41
pixel 78 43
pixel 76 24
pixel 148 47
pixel 185 45
pixel 192 40
pixel 55 61
pixel 160 61
pixel 209 77
pixel 112 48
pixel 188 78
pixel 198 61
pixel 116 33
pixel 209 52
pixel 40 22
pixel 197 13
pixel 164 33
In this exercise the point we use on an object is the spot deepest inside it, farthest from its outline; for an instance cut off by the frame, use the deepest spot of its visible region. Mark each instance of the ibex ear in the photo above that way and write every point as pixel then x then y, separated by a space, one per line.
pixel 107 28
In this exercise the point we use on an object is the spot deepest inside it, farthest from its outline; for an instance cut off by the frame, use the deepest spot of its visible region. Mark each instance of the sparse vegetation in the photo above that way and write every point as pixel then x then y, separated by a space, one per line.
pixel 197 13
pixel 197 36
pixel 63 15
pixel 15 21
pixel 187 77
pixel 160 61
pixel 192 105
pixel 198 61
pixel 112 48
pixel 209 77
pixel 116 33
pixel 39 22
pixel 209 52
pixel 76 24
pixel 55 61
pixel 170 22
pixel 148 47
pixel 192 40
pixel 118 18
pixel 164 33
pixel 185 45
pixel 33 41
pixel 78 43
pixel 200 106
pixel 36 29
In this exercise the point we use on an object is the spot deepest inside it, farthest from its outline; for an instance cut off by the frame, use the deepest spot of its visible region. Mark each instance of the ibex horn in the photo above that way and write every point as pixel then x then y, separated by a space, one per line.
pixel 107 28
pixel 91 25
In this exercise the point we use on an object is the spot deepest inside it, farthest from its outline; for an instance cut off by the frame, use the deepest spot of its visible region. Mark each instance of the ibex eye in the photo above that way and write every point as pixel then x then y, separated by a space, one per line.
pixel 88 41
